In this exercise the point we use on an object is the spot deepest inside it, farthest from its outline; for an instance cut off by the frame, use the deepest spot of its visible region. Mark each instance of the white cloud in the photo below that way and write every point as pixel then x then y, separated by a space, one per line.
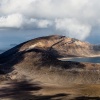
pixel 44 8
pixel 44 23
pixel 11 21
pixel 37 23
pixel 77 17
pixel 73 28
pixel 19 21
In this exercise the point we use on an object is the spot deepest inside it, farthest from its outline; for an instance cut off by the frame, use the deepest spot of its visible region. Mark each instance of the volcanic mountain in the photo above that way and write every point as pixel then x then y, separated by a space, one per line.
pixel 37 59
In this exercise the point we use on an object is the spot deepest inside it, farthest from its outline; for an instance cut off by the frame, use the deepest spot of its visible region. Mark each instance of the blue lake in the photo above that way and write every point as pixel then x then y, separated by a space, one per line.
pixel 88 59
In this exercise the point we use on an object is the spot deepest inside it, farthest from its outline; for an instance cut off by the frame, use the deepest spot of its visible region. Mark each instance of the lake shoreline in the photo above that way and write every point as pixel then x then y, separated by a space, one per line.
pixel 65 58
pixel 90 59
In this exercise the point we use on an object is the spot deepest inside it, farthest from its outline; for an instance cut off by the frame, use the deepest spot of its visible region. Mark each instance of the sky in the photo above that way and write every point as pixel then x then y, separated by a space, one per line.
pixel 21 20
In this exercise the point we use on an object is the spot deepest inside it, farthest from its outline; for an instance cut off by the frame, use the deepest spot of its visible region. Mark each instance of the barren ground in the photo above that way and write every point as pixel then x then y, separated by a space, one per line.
pixel 29 90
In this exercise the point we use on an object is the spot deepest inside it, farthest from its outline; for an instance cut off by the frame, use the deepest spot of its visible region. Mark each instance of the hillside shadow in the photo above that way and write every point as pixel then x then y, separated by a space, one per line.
pixel 7 55
pixel 24 90
pixel 20 89
pixel 50 58
pixel 44 58
pixel 87 98
pixel 59 96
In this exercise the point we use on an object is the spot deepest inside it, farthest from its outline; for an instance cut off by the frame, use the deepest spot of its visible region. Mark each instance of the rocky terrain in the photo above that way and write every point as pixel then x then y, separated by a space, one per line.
pixel 35 64
pixel 63 45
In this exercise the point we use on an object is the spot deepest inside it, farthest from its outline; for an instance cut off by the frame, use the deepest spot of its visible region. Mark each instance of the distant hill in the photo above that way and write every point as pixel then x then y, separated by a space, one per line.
pixel 63 45
pixel 38 59
pixel 12 45
pixel 1 51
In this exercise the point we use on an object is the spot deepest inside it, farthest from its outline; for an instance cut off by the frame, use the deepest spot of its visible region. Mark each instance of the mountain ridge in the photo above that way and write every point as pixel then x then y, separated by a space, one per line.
pixel 37 59
pixel 64 45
